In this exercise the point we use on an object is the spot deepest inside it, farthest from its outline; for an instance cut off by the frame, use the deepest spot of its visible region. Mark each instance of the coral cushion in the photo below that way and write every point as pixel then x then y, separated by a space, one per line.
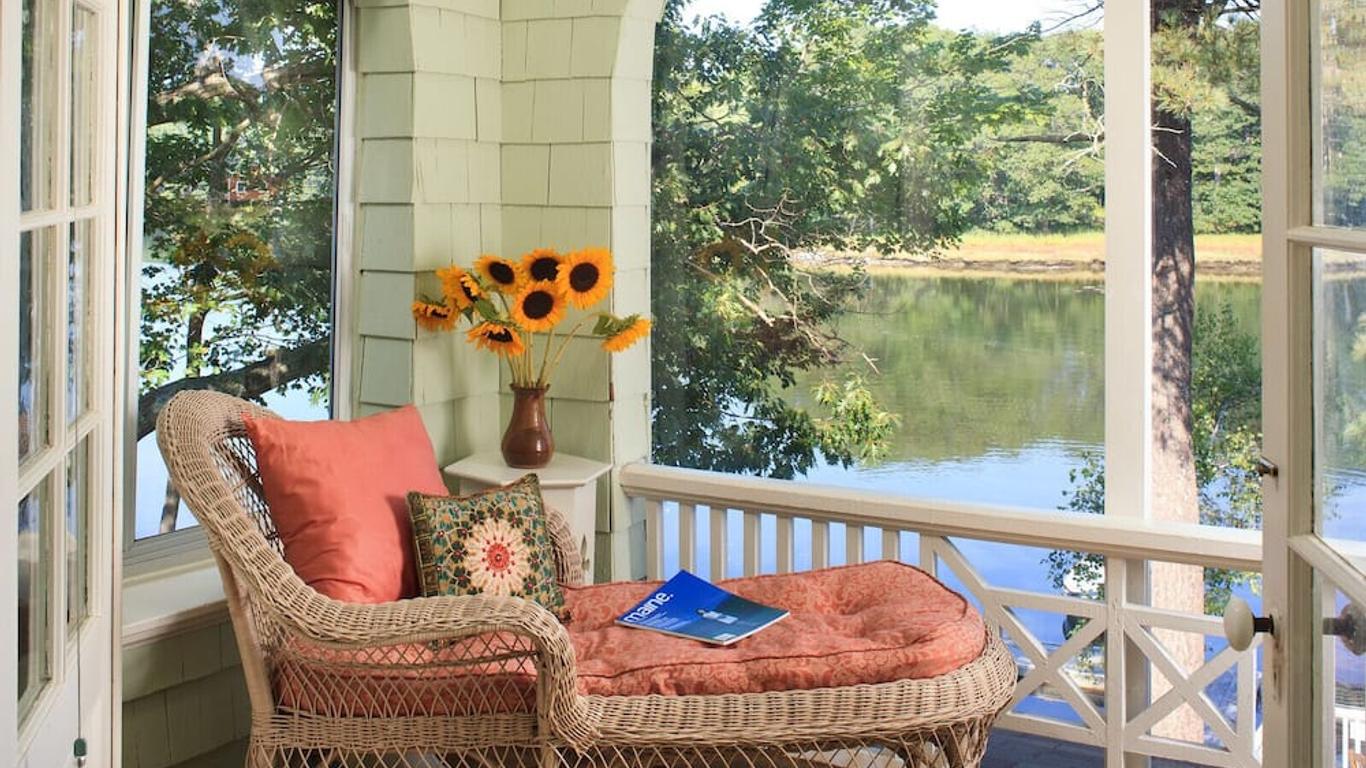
pixel 337 494
pixel 871 623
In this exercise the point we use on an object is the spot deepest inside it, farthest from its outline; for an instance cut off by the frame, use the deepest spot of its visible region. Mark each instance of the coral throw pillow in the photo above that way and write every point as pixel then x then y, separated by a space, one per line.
pixel 494 542
pixel 336 491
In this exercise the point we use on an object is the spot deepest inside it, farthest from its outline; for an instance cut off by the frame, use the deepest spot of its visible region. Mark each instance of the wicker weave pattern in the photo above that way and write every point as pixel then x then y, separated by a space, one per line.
pixel 490 681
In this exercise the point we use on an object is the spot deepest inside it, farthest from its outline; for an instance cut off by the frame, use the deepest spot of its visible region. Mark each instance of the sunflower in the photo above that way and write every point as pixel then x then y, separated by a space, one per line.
pixel 626 332
pixel 586 276
pixel 460 287
pixel 503 274
pixel 434 317
pixel 542 264
pixel 539 306
pixel 496 338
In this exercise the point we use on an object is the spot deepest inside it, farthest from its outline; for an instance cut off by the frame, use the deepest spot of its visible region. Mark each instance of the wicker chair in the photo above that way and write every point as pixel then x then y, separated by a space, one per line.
pixel 488 681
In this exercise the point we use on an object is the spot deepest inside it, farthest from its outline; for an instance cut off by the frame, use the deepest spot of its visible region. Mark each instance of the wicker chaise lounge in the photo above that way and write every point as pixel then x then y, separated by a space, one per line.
pixel 485 681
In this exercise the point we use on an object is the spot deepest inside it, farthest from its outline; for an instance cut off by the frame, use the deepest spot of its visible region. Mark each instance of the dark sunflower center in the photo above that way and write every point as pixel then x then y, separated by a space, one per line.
pixel 501 335
pixel 545 268
pixel 502 273
pixel 538 304
pixel 469 292
pixel 583 277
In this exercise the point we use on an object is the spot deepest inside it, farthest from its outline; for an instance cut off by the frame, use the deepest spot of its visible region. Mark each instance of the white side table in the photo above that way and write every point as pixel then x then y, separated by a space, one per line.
pixel 568 483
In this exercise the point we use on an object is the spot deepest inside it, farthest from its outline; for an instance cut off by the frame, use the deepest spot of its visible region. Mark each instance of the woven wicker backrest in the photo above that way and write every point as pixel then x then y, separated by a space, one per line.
pixel 212 464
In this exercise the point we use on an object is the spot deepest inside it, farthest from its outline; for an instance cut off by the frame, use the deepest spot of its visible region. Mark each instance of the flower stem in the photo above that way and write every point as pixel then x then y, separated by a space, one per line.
pixel 545 374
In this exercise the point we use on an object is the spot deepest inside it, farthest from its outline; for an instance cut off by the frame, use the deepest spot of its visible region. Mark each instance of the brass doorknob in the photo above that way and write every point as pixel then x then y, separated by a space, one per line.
pixel 1240 624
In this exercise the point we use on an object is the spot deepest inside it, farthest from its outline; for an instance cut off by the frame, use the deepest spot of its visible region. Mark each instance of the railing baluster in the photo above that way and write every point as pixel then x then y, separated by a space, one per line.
pixel 687 536
pixel 719 550
pixel 654 538
pixel 929 562
pixel 853 544
pixel 891 544
pixel 750 539
pixel 785 544
pixel 820 544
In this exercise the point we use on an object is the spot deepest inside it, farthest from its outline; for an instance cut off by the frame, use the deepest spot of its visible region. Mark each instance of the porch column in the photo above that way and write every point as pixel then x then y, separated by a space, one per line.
pixel 428 191
pixel 576 173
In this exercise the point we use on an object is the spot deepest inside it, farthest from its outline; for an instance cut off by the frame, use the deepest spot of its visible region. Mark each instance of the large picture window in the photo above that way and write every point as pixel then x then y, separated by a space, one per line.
pixel 238 217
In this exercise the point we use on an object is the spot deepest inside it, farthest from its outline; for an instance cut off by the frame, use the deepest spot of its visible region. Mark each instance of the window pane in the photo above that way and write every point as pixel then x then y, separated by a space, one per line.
pixel 33 376
pixel 1340 397
pixel 1340 120
pixel 34 568
pixel 78 319
pixel 84 103
pixel 38 111
pixel 237 245
pixel 78 533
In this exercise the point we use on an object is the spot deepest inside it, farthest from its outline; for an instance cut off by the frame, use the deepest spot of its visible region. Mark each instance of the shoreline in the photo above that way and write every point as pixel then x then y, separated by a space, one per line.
pixel 1071 256
pixel 1043 269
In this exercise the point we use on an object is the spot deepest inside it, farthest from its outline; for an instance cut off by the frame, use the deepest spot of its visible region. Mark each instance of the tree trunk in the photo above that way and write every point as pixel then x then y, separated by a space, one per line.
pixel 1175 492
pixel 194 337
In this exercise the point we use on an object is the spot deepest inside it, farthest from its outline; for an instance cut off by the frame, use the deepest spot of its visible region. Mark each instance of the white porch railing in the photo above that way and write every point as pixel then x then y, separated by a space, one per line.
pixel 752 522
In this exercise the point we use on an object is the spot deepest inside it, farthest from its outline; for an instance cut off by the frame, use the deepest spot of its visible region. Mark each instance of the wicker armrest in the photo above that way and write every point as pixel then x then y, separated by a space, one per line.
pixel 561 711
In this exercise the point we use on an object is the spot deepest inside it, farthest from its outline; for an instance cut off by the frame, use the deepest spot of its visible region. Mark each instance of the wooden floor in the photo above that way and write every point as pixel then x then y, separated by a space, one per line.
pixel 1008 749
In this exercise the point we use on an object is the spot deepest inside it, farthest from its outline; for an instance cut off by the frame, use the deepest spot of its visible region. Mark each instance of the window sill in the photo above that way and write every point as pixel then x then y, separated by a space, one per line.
pixel 170 602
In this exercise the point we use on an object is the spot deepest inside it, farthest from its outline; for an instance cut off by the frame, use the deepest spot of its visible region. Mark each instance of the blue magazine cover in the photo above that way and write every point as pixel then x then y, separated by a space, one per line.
pixel 687 606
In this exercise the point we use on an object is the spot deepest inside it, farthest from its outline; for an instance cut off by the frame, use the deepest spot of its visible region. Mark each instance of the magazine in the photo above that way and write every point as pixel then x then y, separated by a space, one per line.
pixel 691 607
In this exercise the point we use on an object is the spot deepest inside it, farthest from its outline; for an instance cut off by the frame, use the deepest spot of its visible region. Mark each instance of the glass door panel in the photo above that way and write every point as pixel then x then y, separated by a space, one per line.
pixel 78 319
pixel 1339 299
pixel 1340 693
pixel 39 109
pixel 34 623
pixel 84 103
pixel 34 248
pixel 1340 128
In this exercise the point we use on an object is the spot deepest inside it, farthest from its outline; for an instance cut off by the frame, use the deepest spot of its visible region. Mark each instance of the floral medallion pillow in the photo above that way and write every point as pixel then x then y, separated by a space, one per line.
pixel 495 542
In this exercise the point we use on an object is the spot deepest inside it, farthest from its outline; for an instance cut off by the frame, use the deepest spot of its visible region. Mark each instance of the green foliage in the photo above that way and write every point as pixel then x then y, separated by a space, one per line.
pixel 855 425
pixel 826 124
pixel 239 176
pixel 1226 401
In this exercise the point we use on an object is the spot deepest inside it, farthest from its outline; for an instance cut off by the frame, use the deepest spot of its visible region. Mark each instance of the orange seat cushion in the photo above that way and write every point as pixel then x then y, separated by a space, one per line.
pixel 337 494
pixel 871 623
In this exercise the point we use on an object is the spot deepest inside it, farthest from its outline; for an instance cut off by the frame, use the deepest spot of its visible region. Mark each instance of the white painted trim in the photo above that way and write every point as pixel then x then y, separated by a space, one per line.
pixel 1111 535
pixel 344 246
pixel 10 35
pixel 1128 261
pixel 171 603
pixel 1287 394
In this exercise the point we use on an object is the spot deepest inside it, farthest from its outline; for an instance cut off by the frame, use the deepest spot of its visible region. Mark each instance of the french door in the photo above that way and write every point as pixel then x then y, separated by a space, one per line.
pixel 1314 331
pixel 58 125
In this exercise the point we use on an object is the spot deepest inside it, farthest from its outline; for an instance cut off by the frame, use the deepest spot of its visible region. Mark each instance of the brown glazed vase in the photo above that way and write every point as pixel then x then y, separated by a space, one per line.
pixel 527 443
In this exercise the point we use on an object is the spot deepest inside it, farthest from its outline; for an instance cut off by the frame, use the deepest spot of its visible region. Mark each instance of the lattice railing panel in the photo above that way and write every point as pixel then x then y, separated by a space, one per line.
pixel 1083 676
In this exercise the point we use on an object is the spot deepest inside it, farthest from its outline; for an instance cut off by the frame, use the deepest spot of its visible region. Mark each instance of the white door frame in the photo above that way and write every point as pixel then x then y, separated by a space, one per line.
pixel 1292 551
pixel 46 736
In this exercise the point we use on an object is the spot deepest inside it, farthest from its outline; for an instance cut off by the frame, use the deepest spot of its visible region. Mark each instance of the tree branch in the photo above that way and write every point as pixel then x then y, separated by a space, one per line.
pixel 277 368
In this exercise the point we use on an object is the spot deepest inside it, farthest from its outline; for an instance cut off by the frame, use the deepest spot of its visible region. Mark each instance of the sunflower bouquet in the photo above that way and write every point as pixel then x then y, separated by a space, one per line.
pixel 515 308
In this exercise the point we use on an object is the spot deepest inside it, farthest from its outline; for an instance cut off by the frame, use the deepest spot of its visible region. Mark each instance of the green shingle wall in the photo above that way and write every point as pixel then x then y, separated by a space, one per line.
pixel 481 127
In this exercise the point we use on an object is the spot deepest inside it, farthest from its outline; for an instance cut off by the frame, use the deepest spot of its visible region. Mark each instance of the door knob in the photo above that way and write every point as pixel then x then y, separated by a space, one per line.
pixel 1350 628
pixel 1240 625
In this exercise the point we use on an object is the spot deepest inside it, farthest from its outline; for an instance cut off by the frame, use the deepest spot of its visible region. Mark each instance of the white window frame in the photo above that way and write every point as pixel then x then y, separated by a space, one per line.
pixel 168 554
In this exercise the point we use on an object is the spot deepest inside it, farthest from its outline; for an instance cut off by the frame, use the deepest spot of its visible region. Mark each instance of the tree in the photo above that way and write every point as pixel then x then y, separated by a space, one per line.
pixel 826 124
pixel 237 275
